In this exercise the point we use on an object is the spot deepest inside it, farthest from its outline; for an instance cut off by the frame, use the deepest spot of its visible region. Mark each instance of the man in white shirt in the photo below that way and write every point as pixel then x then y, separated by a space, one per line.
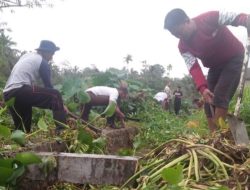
pixel 162 98
pixel 103 96
pixel 168 91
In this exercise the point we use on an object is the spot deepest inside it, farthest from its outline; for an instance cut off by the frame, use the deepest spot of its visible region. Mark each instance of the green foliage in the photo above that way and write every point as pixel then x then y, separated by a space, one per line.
pixel 85 143
pixel 105 79
pixel 42 125
pixel 152 76
pixel 72 86
pixel 2 110
pixel 5 174
pixel 8 55
pixel 19 137
pixel 83 97
pixel 159 126
pixel 10 102
pixel 12 168
pixel 27 158
pixel 173 175
pixel 245 107
pixel 110 109
pixel 5 131
pixel 84 137
pixel 48 164
pixel 125 152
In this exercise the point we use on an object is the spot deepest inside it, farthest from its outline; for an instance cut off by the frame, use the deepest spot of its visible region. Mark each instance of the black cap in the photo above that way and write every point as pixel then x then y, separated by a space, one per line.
pixel 174 18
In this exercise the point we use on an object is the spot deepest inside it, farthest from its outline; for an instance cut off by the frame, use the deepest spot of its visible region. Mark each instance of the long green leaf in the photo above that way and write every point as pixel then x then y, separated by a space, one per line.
pixel 5 174
pixel 19 171
pixel 27 158
pixel 6 163
pixel 110 109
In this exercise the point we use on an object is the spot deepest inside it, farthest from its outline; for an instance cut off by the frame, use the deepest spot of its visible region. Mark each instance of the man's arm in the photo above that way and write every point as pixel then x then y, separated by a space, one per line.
pixel 195 71
pixel 119 112
pixel 120 115
pixel 198 76
pixel 44 71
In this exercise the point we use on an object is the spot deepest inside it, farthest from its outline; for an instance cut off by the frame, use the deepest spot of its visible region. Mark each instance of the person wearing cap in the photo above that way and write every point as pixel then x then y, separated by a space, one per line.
pixel 206 37
pixel 22 86
pixel 103 96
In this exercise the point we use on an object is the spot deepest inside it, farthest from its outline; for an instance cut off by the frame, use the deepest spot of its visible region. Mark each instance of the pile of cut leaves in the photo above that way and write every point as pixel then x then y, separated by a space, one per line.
pixel 194 163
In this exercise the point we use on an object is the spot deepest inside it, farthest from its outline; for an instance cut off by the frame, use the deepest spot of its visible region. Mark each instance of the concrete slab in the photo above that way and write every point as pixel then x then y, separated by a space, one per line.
pixel 55 146
pixel 87 168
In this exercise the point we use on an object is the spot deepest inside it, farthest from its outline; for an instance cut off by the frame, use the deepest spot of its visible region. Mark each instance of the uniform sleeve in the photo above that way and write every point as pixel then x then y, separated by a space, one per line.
pixel 195 71
pixel 219 18
pixel 44 71
pixel 231 18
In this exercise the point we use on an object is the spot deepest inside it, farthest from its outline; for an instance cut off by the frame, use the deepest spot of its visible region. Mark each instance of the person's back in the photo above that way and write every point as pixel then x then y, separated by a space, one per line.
pixel 111 93
pixel 104 95
pixel 21 85
pixel 160 96
pixel 24 72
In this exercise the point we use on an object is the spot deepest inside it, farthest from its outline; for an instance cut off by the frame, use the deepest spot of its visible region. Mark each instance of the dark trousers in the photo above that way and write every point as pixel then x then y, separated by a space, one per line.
pixel 96 101
pixel 27 97
pixel 177 105
pixel 223 82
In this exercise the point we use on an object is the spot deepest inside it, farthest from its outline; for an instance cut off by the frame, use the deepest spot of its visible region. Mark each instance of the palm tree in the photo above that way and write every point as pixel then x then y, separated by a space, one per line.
pixel 127 60
pixel 169 68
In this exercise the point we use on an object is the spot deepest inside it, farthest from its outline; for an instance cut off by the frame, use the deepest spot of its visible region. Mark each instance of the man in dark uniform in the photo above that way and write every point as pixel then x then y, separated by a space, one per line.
pixel 177 100
pixel 21 86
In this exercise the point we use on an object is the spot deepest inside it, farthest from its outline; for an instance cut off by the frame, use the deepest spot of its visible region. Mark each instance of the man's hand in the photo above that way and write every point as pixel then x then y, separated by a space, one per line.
pixel 208 96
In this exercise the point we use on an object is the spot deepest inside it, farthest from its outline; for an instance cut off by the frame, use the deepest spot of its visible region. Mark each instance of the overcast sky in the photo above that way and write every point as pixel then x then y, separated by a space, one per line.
pixel 103 32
